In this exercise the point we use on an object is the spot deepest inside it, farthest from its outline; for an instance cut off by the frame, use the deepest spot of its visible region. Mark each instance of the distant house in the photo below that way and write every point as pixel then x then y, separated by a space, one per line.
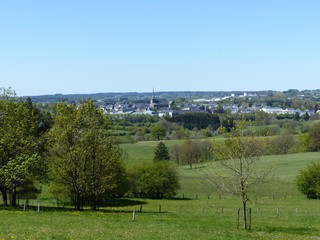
pixel 276 110
pixel 166 113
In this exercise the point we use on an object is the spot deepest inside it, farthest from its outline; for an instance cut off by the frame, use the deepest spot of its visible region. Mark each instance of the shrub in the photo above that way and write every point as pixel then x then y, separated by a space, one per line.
pixel 157 180
pixel 308 181
pixel 283 144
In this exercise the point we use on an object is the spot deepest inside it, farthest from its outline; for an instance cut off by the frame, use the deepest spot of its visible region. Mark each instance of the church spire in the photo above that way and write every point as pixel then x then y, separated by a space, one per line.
pixel 153 99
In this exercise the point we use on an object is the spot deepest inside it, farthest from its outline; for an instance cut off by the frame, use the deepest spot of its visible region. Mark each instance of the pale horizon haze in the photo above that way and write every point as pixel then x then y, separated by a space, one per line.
pixel 82 46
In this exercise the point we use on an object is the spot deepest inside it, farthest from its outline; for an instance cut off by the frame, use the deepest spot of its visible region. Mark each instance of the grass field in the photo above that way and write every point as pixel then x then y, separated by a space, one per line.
pixel 287 215
pixel 179 219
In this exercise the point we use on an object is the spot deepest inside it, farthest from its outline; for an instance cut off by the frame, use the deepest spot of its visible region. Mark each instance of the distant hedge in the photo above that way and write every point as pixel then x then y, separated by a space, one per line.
pixel 196 120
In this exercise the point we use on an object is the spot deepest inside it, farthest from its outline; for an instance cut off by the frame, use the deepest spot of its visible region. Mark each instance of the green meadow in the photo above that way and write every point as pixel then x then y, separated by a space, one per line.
pixel 196 212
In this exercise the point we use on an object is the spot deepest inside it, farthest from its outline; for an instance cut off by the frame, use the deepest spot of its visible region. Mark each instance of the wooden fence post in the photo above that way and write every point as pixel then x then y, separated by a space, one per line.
pixel 133 215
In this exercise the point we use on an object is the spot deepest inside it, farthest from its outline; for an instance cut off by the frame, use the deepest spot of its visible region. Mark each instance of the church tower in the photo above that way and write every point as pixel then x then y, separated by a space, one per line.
pixel 153 100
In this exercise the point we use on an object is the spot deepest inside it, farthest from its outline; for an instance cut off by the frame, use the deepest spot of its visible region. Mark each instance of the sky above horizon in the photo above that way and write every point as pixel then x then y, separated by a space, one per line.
pixel 82 46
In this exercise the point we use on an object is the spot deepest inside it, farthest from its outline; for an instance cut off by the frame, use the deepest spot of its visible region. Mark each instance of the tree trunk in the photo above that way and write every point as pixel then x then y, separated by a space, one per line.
pixel 14 195
pixel 94 203
pixel 78 204
pixel 4 196
pixel 77 201
pixel 245 215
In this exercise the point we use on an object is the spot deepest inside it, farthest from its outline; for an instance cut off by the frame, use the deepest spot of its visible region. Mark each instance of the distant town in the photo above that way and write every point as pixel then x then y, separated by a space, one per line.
pixel 173 103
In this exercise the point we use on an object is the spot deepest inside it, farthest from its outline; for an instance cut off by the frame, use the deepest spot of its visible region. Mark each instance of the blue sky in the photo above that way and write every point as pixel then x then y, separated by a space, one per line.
pixel 78 46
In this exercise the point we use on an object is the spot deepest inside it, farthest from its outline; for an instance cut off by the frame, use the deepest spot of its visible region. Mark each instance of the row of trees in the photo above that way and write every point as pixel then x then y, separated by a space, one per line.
pixel 188 153
pixel 72 152
pixel 197 151
pixel 196 120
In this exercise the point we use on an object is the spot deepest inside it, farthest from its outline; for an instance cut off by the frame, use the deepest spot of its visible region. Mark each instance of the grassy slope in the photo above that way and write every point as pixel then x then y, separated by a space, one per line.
pixel 288 216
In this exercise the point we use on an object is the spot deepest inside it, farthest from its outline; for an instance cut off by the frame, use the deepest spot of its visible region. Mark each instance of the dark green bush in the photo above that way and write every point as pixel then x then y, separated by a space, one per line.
pixel 308 181
pixel 157 180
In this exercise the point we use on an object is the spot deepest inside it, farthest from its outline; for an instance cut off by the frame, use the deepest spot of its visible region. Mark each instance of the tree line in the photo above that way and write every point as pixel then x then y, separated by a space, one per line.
pixel 70 149
pixel 196 120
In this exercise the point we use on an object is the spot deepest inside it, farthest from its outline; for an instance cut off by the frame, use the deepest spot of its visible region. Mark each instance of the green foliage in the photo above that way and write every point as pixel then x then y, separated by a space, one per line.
pixel 21 164
pixel 207 132
pixel 156 180
pixel 158 132
pixel 308 181
pixel 191 152
pixel 42 117
pixel 238 175
pixel 180 133
pixel 283 144
pixel 268 131
pixel 196 120
pixel 161 152
pixel 304 142
pixel 296 116
pixel 84 160
pixel 228 124
pixel 314 137
pixel 306 117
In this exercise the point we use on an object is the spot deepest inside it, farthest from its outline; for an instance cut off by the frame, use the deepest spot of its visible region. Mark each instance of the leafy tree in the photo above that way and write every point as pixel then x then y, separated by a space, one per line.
pixel 21 164
pixel 180 133
pixel 237 175
pixel 175 153
pixel 191 153
pixel 42 117
pixel 308 181
pixel 282 144
pixel 228 124
pixel 304 142
pixel 158 132
pixel 314 137
pixel 207 132
pixel 306 117
pixel 296 116
pixel 161 152
pixel 157 180
pixel 84 160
